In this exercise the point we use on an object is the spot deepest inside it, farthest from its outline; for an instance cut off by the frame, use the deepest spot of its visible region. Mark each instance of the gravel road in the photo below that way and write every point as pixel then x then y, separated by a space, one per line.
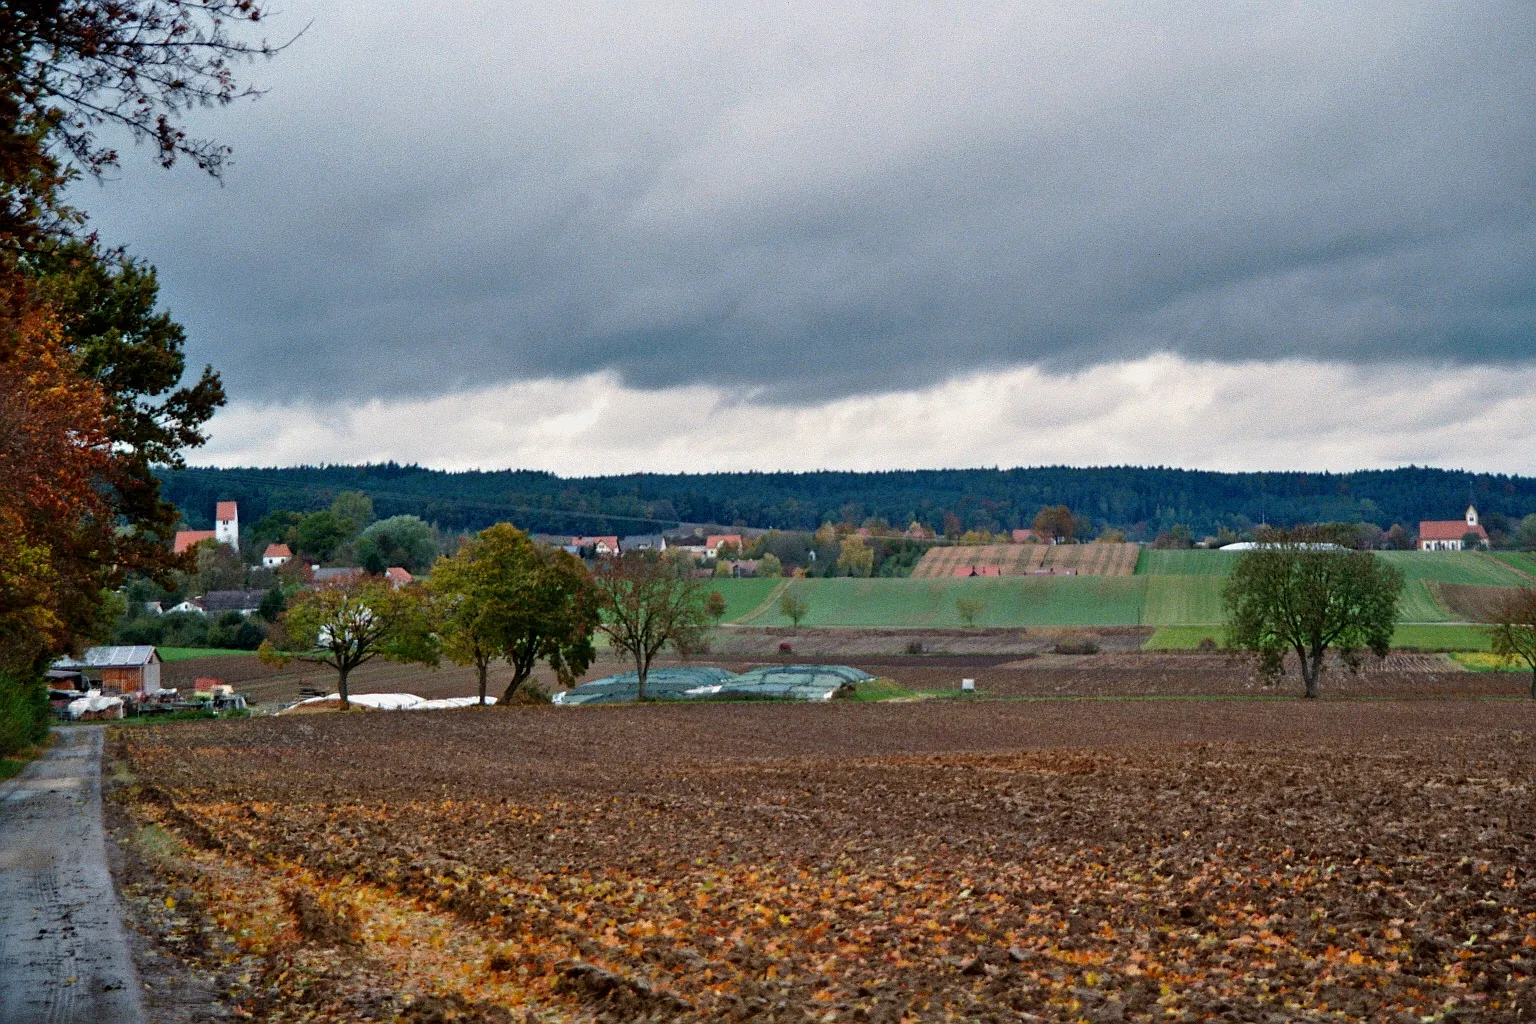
pixel 63 953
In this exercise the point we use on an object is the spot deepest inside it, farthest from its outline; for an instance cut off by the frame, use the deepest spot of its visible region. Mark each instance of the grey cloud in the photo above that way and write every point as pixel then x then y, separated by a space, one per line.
pixel 840 199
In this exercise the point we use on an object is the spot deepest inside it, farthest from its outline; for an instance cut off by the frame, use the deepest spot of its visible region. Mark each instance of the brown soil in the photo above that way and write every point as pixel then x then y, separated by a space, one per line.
pixel 1129 860
pixel 1023 559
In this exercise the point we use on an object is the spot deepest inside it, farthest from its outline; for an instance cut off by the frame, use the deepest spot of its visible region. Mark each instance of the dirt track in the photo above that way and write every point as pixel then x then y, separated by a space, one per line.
pixel 63 953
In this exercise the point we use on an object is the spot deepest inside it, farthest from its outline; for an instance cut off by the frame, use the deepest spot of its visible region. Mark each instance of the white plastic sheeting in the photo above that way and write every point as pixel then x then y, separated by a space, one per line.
pixel 93 703
pixel 398 701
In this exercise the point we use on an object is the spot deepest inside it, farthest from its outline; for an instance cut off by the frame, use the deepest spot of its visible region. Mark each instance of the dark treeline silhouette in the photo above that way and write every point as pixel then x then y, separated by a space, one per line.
pixel 1138 500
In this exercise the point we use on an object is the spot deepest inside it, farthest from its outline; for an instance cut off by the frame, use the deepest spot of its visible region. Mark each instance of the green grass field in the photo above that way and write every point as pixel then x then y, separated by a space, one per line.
pixel 1520 561
pixel 1454 567
pixel 930 603
pixel 1170 588
pixel 1184 563
pixel 186 653
pixel 741 596
pixel 1182 600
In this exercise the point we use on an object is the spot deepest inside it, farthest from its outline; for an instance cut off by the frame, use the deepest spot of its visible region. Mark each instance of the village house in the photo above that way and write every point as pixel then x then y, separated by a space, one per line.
pixel 275 556
pixel 1448 534
pixel 602 547
pixel 643 542
pixel 191 604
pixel 716 541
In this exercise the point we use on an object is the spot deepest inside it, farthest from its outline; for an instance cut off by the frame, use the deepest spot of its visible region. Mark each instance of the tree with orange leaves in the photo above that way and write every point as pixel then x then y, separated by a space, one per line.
pixel 57 529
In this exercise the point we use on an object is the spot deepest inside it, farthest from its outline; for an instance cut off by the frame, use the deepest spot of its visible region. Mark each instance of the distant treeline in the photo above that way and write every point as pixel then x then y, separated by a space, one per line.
pixel 1140 501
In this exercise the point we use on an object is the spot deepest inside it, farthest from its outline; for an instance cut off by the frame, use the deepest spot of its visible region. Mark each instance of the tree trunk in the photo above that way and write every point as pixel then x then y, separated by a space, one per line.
pixel 642 669
pixel 341 687
pixel 1310 666
pixel 484 668
pixel 518 676
pixel 1533 682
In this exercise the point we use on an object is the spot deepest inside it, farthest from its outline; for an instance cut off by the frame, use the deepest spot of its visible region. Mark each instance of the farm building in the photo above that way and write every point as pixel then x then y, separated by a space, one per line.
pixel 275 556
pixel 643 542
pixel 119 669
pixel 186 540
pixel 603 547
pixel 1448 534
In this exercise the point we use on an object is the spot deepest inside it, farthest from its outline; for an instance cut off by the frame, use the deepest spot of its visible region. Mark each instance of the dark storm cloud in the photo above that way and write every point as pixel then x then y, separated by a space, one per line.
pixel 839 199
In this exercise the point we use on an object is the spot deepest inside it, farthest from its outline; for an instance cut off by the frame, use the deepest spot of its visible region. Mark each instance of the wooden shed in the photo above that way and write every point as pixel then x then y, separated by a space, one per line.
pixel 127 670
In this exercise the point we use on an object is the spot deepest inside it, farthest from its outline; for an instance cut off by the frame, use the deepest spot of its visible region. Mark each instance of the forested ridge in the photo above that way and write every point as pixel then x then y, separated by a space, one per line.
pixel 1139 500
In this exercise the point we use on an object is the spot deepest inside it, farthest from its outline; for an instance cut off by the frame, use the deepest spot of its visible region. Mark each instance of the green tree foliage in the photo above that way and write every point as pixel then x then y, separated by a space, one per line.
pixel 793 608
pixel 319 534
pixel 1289 598
pixel 768 564
pixel 1139 500
pixel 406 541
pixel 1514 630
pixel 219 567
pixel 970 609
pixel 503 597
pixel 355 510
pixel 1526 536
pixel 352 624
pixel 273 603
pixel 855 557
pixel 647 605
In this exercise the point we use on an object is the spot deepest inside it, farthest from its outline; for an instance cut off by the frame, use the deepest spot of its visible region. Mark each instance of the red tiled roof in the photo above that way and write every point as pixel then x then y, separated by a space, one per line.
pixel 397 574
pixel 225 510
pixel 186 539
pixel 717 539
pixel 277 551
pixel 1448 529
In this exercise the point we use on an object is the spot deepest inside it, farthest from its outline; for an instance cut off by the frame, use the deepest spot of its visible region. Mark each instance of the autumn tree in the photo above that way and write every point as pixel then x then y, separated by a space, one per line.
pixel 1055 523
pixel 647 604
pixel 503 597
pixel 855 557
pixel 1289 596
pixel 1513 631
pixel 55 519
pixel 714 606
pixel 769 565
pixel 348 625
pixel 793 608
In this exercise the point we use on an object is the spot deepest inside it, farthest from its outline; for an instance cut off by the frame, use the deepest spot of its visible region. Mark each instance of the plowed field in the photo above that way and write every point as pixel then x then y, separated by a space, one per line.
pixel 1022 559
pixel 1247 861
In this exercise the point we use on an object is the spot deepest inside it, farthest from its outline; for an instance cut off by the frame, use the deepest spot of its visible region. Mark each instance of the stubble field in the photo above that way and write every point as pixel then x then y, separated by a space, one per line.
pixel 1164 860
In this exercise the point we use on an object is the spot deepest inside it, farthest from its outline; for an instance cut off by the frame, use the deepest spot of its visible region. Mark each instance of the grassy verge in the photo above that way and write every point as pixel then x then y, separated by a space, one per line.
pixel 1409 636
pixel 1486 661
pixel 881 689
pixel 1181 638
pixel 188 653
pixel 11 766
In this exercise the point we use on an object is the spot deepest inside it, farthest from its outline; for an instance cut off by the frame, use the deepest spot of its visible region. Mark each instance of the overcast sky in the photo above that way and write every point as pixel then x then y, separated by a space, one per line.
pixel 866 235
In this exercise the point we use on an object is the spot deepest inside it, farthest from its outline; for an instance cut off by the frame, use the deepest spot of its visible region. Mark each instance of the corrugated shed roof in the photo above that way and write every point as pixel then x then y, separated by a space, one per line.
pixel 117 657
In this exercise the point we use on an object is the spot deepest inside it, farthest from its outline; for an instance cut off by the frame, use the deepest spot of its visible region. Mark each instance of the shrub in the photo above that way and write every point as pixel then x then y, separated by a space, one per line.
pixel 1076 647
pixel 24 713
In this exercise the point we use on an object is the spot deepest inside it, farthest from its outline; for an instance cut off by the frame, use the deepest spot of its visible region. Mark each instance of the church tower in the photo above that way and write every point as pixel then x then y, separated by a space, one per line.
pixel 1471 516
